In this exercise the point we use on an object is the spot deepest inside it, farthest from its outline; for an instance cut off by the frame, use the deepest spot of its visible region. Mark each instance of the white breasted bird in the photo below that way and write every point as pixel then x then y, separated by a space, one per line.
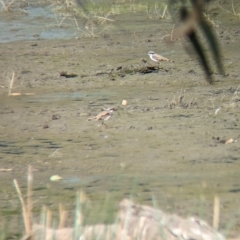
pixel 157 58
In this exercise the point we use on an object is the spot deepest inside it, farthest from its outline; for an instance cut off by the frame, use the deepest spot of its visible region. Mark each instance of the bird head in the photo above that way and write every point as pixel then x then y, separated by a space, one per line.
pixel 150 53
pixel 110 109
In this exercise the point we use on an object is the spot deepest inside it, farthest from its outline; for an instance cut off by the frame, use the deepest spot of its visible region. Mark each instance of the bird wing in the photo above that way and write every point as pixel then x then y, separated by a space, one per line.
pixel 103 114
pixel 160 58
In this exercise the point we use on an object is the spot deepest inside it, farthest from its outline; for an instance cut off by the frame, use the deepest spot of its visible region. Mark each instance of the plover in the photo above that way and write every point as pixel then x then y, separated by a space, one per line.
pixel 103 116
pixel 157 58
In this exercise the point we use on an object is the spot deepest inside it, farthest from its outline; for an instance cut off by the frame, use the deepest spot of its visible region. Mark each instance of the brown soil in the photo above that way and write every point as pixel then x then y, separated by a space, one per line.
pixel 156 147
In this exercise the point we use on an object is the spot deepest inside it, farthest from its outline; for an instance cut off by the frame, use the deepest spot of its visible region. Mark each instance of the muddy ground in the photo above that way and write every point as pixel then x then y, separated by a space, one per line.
pixel 155 149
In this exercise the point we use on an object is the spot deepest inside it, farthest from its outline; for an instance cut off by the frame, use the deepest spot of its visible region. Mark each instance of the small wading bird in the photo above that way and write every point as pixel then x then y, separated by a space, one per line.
pixel 103 116
pixel 157 58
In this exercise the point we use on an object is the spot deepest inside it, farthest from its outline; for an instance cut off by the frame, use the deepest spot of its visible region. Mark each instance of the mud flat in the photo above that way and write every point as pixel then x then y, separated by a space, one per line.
pixel 168 142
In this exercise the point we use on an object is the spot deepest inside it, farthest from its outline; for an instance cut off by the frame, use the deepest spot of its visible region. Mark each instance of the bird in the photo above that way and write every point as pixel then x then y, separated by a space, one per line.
pixel 157 58
pixel 103 116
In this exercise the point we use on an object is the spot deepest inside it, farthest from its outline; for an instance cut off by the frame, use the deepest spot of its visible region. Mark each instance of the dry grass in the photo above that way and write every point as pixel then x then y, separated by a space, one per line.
pixel 235 99
pixel 216 212
pixel 46 222
pixel 7 5
pixel 11 84
pixel 95 19
pixel 91 21
pixel 158 11
pixel 233 12
pixel 133 222
pixel 179 102
pixel 232 103
pixel 210 21
pixel 26 208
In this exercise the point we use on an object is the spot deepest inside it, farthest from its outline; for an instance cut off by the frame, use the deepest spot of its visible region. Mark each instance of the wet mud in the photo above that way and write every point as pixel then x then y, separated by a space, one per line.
pixel 167 146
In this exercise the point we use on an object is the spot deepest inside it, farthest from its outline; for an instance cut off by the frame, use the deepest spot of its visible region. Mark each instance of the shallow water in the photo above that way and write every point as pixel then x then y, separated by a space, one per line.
pixel 33 23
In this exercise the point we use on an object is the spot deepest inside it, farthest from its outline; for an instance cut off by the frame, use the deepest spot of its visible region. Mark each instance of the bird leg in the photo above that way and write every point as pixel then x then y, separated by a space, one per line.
pixel 103 123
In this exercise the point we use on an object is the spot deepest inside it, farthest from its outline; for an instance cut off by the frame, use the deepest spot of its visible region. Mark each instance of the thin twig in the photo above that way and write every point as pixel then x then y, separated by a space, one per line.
pixel 43 222
pixel 6 7
pixel 105 19
pixel 49 219
pixel 26 218
pixel 11 84
pixel 216 212
pixel 164 11
pixel 62 216
pixel 233 9
pixel 172 32
pixel 29 193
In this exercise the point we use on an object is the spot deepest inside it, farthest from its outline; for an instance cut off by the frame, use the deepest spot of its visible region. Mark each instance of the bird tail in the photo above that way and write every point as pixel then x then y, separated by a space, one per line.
pixel 92 118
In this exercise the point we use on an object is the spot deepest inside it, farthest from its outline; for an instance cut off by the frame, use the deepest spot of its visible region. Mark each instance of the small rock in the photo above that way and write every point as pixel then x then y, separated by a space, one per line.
pixel 56 116
pixel 124 102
